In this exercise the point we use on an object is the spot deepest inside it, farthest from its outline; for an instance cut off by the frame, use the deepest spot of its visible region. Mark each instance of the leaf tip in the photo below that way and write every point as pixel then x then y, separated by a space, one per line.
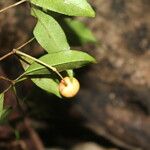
pixel 92 13
pixel 94 60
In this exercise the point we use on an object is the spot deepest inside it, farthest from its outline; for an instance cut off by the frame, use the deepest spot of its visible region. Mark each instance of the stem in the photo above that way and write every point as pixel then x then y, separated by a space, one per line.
pixel 23 45
pixel 13 5
pixel 12 52
pixel 7 55
pixel 7 89
pixel 6 79
pixel 20 79
pixel 38 61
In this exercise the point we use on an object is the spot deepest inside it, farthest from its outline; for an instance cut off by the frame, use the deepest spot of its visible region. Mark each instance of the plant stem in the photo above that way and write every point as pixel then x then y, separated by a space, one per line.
pixel 13 5
pixel 7 55
pixel 23 45
pixel 6 79
pixel 38 61
pixel 7 89
pixel 20 78
pixel 12 52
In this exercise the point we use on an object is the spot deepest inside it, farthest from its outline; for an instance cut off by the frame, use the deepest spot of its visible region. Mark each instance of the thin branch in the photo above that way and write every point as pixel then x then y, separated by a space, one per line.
pixel 6 79
pixel 20 78
pixel 38 61
pixel 6 90
pixel 7 55
pixel 13 5
pixel 12 52
pixel 26 43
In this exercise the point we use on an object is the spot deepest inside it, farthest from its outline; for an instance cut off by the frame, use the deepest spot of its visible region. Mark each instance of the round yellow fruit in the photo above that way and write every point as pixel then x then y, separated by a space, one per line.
pixel 69 87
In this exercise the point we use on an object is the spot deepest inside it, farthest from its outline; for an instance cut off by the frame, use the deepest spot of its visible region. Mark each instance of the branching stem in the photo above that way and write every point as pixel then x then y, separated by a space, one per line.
pixel 6 79
pixel 12 52
pixel 38 61
pixel 16 51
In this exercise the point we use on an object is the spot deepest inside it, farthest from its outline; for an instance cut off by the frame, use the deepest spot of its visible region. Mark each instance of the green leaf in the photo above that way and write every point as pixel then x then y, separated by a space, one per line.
pixel 67 7
pixel 25 62
pixel 70 73
pixel 78 28
pixel 3 112
pixel 1 102
pixel 48 84
pixel 49 34
pixel 61 61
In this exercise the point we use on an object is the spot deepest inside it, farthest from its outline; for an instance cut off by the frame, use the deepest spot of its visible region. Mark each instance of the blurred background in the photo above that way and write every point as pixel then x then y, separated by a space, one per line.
pixel 112 109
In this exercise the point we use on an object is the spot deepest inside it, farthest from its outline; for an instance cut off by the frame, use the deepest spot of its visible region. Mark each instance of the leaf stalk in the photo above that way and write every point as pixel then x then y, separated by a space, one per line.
pixel 16 51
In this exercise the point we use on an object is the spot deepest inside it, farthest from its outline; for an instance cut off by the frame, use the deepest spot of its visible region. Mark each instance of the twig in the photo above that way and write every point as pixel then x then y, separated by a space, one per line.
pixel 13 5
pixel 7 89
pixel 38 61
pixel 23 45
pixel 6 79
pixel 16 51
pixel 7 55
pixel 12 52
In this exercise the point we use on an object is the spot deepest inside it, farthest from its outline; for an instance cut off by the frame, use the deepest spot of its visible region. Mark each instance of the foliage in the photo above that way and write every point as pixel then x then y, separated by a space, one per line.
pixel 46 70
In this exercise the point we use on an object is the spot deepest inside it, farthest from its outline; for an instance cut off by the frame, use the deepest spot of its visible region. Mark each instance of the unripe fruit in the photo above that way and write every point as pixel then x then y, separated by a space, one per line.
pixel 69 87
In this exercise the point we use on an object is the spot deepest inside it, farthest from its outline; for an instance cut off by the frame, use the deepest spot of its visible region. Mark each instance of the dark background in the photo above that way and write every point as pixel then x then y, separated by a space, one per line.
pixel 112 109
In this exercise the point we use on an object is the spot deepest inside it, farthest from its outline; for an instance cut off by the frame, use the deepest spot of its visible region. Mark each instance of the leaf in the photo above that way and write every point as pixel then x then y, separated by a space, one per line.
pixel 1 102
pixel 67 7
pixel 61 61
pixel 78 28
pixel 70 73
pixel 3 112
pixel 49 34
pixel 25 62
pixel 47 84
